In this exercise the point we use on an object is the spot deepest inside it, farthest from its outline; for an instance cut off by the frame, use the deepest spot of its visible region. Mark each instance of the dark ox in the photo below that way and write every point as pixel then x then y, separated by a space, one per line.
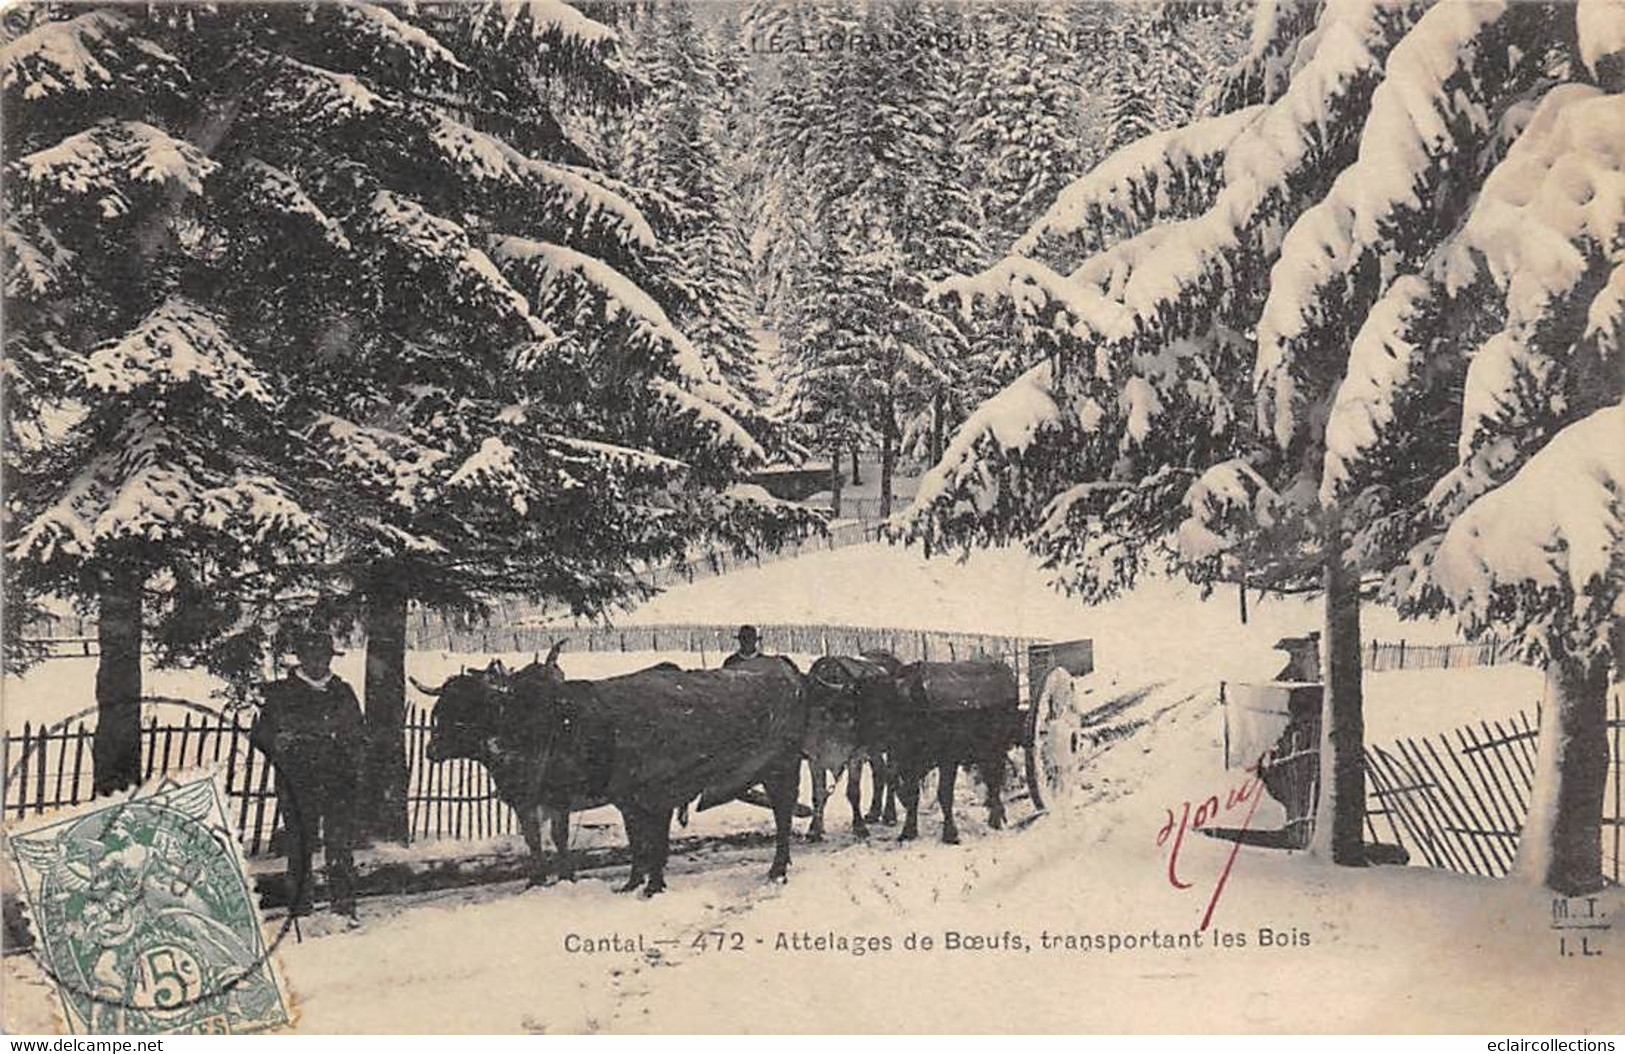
pixel 848 700
pixel 493 717
pixel 647 743
pixel 951 714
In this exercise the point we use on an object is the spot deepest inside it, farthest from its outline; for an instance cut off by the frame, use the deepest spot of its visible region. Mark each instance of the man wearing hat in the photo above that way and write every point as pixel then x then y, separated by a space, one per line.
pixel 310 726
pixel 750 647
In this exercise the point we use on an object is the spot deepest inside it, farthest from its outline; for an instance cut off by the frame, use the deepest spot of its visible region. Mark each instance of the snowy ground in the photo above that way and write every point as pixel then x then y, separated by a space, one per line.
pixel 1374 949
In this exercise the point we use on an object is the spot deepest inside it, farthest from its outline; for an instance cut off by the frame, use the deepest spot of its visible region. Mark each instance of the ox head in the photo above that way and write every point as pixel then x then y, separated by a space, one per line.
pixel 475 709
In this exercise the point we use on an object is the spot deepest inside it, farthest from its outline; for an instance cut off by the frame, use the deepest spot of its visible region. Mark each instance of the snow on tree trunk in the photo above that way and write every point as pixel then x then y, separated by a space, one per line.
pixel 1340 815
pixel 116 748
pixel 386 783
pixel 1561 846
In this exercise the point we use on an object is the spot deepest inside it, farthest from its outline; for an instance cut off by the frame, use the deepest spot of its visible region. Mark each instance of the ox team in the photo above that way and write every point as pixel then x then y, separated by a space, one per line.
pixel 651 742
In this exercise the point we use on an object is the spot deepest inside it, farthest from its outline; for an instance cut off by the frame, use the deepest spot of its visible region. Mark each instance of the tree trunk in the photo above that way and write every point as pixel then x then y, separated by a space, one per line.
pixel 1340 816
pixel 888 464
pixel 835 481
pixel 116 749
pixel 857 480
pixel 386 782
pixel 1241 595
pixel 939 410
pixel 1561 846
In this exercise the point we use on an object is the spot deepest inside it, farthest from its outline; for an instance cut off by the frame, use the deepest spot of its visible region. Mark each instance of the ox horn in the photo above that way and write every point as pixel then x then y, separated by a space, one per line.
pixel 553 653
pixel 425 689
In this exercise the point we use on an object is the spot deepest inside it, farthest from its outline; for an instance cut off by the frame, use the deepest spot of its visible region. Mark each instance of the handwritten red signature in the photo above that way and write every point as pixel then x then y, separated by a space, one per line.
pixel 1208 811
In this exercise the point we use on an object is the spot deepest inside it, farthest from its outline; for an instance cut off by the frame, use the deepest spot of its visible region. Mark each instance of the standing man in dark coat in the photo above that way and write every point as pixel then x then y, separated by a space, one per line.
pixel 750 647
pixel 311 728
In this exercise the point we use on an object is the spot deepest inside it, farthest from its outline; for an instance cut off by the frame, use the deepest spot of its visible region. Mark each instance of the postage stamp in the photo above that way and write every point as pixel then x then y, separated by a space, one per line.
pixel 143 916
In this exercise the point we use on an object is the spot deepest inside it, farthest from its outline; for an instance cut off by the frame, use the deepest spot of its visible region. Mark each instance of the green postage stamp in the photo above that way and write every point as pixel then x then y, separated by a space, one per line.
pixel 144 918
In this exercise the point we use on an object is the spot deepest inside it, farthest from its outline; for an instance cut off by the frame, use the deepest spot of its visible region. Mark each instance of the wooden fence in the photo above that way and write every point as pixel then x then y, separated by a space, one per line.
pixel 49 767
pixel 712 641
pixel 1458 800
pixel 1381 655
pixel 452 799
pixel 868 509
pixel 449 799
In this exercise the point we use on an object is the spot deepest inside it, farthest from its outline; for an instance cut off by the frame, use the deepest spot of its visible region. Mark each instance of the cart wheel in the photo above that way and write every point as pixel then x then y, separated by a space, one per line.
pixel 1053 747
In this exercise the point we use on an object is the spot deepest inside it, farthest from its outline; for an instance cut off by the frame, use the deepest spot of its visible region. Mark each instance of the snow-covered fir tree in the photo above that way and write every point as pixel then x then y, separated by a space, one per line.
pixel 869 135
pixel 671 145
pixel 320 299
pixel 1025 131
pixel 1246 289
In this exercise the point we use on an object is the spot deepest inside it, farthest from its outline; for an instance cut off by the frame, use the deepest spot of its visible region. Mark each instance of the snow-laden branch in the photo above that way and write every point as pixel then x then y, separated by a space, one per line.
pixel 620 301
pixel 1532 237
pixel 275 191
pixel 391 41
pixel 623 455
pixel 116 163
pixel 434 242
pixel 581 203
pixel 1167 175
pixel 1229 497
pixel 299 94
pixel 1279 27
pixel 1600 26
pixel 88 53
pixel 495 467
pixel 151 488
pixel 393 463
pixel 1035 291
pixel 178 343
pixel 37 263
pixel 725 427
pixel 1430 112
pixel 1009 421
pixel 1556 528
pixel 541 20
